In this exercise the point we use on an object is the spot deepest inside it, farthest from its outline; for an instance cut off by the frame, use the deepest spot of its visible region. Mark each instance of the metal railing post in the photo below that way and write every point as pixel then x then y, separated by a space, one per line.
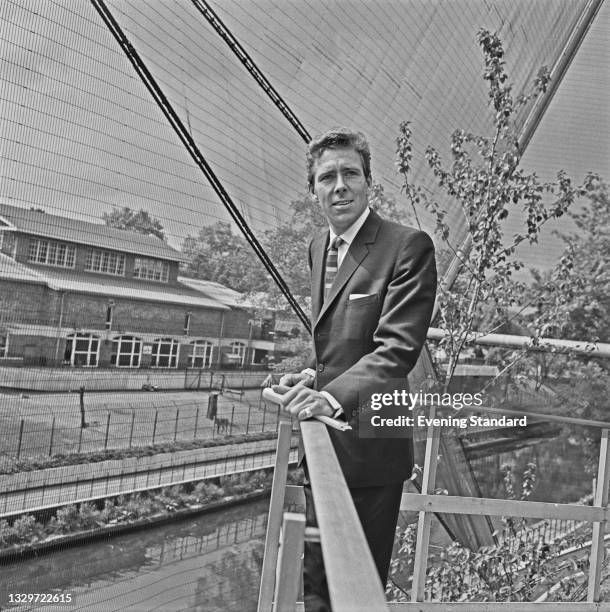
pixel 599 527
pixel 276 504
pixel 289 563
pixel 425 518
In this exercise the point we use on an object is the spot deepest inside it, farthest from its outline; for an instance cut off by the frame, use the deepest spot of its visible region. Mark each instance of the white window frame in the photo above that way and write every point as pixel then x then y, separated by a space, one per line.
pixel 151 269
pixel 91 340
pixel 172 356
pixel 202 349
pixel 134 354
pixel 238 348
pixel 49 252
pixel 101 261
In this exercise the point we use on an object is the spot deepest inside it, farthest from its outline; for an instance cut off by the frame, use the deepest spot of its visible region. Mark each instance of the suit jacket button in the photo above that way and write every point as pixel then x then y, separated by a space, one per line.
pixel 320 367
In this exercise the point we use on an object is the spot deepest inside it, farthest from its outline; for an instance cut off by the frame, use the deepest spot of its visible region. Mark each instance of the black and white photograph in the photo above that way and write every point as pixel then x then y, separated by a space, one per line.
pixel 304 305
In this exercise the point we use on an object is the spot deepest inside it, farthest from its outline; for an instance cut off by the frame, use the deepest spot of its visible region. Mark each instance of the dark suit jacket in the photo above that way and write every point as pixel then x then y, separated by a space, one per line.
pixel 361 346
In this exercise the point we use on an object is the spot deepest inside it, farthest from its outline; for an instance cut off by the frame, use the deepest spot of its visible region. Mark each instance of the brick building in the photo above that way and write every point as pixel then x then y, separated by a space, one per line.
pixel 81 294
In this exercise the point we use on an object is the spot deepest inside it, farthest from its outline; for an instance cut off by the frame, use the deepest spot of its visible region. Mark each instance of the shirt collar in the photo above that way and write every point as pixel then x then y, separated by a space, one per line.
pixel 350 233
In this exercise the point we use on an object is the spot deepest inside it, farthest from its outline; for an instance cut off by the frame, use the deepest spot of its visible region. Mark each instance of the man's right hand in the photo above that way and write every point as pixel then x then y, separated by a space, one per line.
pixel 290 380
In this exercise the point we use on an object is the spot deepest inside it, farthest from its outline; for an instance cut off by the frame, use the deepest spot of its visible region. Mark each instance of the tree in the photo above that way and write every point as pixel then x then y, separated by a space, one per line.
pixel 127 219
pixel 485 180
pixel 217 254
pixel 575 295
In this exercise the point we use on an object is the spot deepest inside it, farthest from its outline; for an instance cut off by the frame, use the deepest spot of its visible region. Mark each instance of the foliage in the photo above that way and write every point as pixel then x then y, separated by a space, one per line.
pixel 219 255
pixel 483 177
pixel 515 569
pixel 40 463
pixel 141 221
pixel 485 180
pixel 573 299
pixel 73 518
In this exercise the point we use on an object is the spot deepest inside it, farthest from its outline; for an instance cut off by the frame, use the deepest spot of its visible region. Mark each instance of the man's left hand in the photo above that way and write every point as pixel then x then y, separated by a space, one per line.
pixel 304 403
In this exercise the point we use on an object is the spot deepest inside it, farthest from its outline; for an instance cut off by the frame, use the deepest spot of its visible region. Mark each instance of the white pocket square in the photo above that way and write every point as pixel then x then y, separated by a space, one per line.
pixel 358 296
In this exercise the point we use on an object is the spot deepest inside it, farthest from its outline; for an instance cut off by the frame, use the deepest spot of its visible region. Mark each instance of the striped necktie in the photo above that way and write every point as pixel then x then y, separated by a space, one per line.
pixel 330 270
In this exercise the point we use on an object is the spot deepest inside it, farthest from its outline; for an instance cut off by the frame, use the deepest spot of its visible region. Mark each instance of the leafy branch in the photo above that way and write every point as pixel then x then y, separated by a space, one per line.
pixel 484 179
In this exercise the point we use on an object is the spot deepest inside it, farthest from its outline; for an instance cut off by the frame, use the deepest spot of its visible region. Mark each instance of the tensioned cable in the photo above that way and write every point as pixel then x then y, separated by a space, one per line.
pixel 206 10
pixel 195 153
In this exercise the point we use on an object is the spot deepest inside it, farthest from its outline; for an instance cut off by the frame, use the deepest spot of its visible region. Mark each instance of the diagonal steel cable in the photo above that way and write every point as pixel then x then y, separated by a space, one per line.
pixel 214 20
pixel 192 148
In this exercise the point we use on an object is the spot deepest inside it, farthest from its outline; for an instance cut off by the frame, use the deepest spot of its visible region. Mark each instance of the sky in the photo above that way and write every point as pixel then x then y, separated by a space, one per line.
pixel 81 135
pixel 574 134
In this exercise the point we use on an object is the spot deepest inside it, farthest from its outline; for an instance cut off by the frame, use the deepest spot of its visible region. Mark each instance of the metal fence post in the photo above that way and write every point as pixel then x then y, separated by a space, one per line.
pixel 107 432
pixel 264 415
pixel 155 427
pixel 248 421
pixel 80 438
pixel 232 417
pixel 196 423
pixel 20 438
pixel 133 418
pixel 176 424
pixel 52 434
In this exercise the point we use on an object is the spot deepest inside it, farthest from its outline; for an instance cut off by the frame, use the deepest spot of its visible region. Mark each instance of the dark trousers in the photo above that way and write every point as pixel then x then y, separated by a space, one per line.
pixel 377 508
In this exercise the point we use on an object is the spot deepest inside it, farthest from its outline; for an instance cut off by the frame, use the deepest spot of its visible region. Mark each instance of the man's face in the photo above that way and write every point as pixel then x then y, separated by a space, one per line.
pixel 341 187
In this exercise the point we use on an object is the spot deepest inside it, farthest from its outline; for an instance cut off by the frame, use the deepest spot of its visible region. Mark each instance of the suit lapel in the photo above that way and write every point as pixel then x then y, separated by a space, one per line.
pixel 357 252
pixel 318 252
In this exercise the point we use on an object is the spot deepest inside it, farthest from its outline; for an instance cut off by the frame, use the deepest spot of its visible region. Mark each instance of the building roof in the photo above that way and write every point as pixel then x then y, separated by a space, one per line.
pixel 84 232
pixel 131 289
pixel 219 292
pixel 60 280
pixel 13 270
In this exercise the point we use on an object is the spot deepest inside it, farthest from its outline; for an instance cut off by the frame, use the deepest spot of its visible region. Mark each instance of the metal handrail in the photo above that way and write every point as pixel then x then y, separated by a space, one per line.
pixel 427 503
pixel 353 581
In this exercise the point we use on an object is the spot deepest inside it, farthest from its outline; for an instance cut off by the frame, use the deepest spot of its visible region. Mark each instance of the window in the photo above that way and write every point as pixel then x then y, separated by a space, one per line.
pixel 259 356
pixel 82 350
pixel 151 269
pixel 202 354
pixel 238 353
pixel 165 353
pixel 126 352
pixel 105 262
pixel 187 323
pixel 3 344
pixel 52 253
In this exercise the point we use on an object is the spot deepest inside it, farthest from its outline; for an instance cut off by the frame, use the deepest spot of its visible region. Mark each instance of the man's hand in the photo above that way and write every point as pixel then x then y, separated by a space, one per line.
pixel 291 380
pixel 304 403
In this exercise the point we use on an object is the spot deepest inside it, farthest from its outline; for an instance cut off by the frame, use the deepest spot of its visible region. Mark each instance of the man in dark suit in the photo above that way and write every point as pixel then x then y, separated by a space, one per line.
pixel 373 292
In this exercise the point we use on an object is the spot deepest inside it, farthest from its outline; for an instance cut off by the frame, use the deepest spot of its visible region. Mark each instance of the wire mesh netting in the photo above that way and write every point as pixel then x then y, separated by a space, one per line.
pixel 209 127
pixel 82 134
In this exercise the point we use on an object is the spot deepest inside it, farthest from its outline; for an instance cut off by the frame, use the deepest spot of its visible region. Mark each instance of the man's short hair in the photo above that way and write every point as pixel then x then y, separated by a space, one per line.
pixel 338 138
